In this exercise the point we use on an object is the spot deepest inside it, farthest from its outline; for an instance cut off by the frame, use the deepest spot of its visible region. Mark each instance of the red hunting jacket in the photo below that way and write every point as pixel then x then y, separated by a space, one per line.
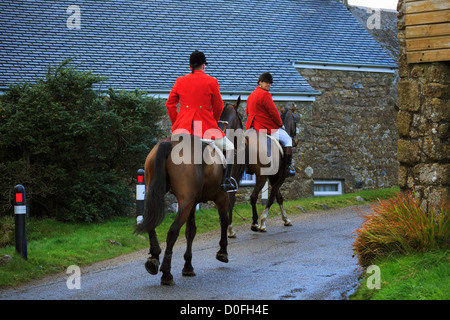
pixel 262 112
pixel 200 102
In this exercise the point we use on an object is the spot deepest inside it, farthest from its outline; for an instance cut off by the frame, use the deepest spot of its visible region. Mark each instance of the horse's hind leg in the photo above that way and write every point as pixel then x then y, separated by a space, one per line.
pixel 152 263
pixel 270 200
pixel 222 206
pixel 287 221
pixel 231 232
pixel 191 229
pixel 172 235
pixel 260 181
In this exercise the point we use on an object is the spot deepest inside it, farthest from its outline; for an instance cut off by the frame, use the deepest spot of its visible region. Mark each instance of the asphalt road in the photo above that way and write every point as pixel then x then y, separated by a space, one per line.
pixel 311 260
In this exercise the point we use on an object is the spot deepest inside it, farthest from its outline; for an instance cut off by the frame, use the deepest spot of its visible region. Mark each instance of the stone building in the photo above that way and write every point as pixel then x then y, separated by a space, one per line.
pixel 424 100
pixel 349 136
pixel 325 64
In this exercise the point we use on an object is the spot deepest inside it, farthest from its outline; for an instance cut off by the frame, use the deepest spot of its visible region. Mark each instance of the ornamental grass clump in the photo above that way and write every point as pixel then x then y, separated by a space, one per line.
pixel 402 225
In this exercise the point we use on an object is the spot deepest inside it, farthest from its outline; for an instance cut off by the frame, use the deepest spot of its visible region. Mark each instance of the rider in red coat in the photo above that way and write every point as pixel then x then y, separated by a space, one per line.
pixel 262 114
pixel 200 108
pixel 200 101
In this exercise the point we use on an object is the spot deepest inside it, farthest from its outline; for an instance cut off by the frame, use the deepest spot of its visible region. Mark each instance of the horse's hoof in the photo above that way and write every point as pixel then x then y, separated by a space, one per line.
pixel 188 273
pixel 288 224
pixel 223 257
pixel 254 227
pixel 231 234
pixel 152 265
pixel 262 230
pixel 167 281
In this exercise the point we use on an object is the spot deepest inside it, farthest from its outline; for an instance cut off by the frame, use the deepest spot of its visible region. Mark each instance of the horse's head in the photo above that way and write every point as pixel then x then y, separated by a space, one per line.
pixel 230 117
pixel 290 125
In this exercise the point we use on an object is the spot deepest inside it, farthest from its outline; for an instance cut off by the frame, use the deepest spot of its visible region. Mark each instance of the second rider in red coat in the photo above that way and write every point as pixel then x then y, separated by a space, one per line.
pixel 262 114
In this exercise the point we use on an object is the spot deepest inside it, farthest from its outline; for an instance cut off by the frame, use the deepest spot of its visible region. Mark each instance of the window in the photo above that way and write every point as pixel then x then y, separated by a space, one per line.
pixel 327 188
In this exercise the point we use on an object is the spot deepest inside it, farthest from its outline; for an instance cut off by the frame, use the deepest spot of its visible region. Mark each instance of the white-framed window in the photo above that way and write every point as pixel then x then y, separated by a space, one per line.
pixel 248 180
pixel 327 188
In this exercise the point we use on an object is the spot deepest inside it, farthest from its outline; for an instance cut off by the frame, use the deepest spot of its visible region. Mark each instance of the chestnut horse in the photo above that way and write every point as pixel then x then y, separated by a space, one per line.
pixel 265 160
pixel 290 123
pixel 173 165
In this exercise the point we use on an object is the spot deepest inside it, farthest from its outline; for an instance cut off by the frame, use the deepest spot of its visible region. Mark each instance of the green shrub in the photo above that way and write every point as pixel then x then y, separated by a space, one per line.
pixel 402 225
pixel 74 148
pixel 6 231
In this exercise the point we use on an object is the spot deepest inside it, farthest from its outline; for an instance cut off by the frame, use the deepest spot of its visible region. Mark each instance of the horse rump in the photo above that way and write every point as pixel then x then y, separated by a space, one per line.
pixel 154 212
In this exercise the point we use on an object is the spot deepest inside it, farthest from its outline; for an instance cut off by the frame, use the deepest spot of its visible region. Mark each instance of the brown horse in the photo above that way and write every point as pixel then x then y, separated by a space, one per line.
pixel 290 123
pixel 173 165
pixel 231 123
pixel 265 160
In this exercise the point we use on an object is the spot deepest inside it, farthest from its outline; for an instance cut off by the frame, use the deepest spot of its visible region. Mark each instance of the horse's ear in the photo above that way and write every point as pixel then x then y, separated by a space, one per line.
pixel 238 102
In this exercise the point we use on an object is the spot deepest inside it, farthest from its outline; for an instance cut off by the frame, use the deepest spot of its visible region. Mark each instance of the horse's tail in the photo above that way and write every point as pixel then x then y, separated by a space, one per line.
pixel 154 212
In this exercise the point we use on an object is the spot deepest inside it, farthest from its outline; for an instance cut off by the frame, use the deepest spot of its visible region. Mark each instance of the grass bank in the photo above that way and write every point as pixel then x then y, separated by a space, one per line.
pixel 405 247
pixel 53 246
pixel 416 276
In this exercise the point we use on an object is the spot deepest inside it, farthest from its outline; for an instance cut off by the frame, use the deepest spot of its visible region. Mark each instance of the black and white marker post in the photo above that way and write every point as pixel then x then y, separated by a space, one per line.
pixel 20 216
pixel 140 196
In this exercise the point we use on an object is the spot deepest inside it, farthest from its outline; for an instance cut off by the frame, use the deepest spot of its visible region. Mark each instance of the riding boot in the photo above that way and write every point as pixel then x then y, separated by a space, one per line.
pixel 228 183
pixel 288 154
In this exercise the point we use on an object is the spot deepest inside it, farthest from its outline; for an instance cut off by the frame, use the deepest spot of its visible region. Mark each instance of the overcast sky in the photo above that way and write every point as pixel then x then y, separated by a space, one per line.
pixel 387 4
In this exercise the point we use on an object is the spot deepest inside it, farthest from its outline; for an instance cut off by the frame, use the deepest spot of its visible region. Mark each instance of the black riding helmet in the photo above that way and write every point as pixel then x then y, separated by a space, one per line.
pixel 265 77
pixel 197 58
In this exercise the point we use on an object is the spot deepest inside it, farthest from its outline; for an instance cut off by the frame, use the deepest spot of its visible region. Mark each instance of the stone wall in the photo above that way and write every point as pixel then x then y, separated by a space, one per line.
pixel 349 134
pixel 423 124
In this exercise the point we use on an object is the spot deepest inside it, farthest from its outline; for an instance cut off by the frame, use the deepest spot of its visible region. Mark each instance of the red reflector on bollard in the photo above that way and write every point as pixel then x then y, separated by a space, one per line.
pixel 140 179
pixel 19 197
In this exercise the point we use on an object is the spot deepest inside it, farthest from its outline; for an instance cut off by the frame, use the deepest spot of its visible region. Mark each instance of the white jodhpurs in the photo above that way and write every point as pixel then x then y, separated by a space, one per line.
pixel 283 137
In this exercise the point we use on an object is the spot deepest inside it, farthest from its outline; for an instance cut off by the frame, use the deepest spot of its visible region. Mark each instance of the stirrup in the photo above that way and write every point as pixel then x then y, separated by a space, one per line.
pixel 233 186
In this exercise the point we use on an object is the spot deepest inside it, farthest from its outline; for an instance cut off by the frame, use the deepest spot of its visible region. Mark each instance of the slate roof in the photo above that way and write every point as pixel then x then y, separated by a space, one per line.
pixel 146 43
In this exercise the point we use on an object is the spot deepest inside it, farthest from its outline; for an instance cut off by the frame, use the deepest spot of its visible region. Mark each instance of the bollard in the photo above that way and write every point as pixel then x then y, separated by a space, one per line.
pixel 20 214
pixel 140 196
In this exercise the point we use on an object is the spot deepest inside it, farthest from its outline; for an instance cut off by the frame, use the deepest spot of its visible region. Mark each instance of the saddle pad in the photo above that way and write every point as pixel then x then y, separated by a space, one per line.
pixel 217 149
